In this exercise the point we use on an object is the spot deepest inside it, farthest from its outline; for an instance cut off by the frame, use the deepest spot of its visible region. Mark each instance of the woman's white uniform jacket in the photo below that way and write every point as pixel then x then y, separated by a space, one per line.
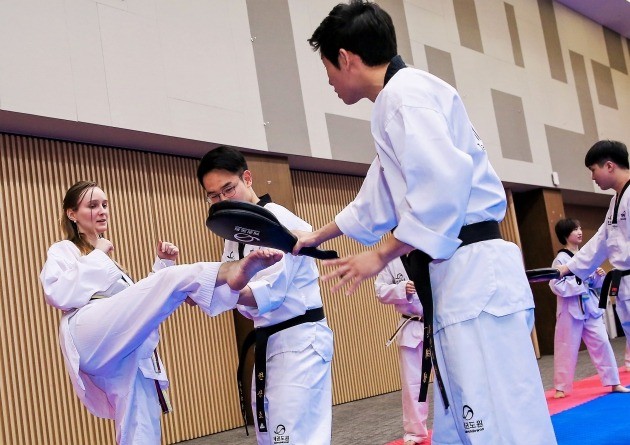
pixel 579 300
pixel 431 176
pixel 390 289
pixel 70 280
pixel 612 242
pixel 286 290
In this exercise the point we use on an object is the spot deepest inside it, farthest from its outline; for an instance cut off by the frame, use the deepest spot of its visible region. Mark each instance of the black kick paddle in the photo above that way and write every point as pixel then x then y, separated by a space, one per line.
pixel 542 274
pixel 249 223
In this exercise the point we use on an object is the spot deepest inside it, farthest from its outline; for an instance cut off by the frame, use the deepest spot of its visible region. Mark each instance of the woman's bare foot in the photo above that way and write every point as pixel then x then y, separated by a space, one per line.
pixel 559 395
pixel 238 273
pixel 619 388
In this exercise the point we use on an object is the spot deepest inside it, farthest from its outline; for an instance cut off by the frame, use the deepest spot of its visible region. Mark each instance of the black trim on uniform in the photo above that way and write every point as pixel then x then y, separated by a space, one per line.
pixel 617 201
pixel 394 66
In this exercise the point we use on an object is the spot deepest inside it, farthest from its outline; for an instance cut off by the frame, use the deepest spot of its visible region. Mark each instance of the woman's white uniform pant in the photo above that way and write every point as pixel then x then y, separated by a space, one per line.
pixel 111 336
pixel 414 413
pixel 490 405
pixel 569 332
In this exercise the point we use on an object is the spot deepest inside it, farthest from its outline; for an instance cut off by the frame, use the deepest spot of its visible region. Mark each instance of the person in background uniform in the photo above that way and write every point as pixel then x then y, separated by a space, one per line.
pixel 393 286
pixel 608 162
pixel 578 317
pixel 292 398
pixel 433 184
pixel 109 328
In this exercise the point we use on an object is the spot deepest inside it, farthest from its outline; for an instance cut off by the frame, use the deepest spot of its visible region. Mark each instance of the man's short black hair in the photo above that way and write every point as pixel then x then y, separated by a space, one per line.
pixel 221 158
pixel 361 27
pixel 607 150
pixel 564 227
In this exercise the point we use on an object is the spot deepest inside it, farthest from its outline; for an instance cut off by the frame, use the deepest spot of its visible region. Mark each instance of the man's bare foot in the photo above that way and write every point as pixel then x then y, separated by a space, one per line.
pixel 559 395
pixel 619 388
pixel 242 271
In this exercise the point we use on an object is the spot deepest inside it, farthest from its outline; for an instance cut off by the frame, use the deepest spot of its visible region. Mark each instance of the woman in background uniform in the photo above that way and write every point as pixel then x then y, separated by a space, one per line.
pixel 578 317
pixel 393 286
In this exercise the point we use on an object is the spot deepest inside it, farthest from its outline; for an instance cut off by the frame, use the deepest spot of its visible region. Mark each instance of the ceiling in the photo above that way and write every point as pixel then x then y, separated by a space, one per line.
pixel 613 14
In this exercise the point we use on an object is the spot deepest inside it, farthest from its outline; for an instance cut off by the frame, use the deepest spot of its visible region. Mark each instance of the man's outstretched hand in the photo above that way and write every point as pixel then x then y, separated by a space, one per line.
pixel 352 270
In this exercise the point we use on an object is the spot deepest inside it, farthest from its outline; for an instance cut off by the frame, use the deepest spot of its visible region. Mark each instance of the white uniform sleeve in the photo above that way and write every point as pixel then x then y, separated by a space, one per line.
pixel 438 177
pixel 387 291
pixel 371 214
pixel 289 275
pixel 565 286
pixel 591 256
pixel 160 264
pixel 69 281
pixel 270 287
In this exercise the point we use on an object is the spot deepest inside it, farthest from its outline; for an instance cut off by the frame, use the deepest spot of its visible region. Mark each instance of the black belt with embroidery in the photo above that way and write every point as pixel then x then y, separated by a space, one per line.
pixel 610 286
pixel 260 336
pixel 417 265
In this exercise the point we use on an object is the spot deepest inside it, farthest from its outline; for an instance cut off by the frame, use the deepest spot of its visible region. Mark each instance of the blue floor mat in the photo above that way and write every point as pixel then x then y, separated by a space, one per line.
pixel 603 421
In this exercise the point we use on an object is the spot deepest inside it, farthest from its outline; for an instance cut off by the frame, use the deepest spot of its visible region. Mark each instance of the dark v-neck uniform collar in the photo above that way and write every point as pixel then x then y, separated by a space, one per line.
pixel 395 65
pixel 264 200
pixel 617 201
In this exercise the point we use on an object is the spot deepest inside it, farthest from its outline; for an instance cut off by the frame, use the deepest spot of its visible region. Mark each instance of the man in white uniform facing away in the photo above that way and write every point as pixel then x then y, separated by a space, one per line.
pixel 609 166
pixel 292 399
pixel 393 286
pixel 433 184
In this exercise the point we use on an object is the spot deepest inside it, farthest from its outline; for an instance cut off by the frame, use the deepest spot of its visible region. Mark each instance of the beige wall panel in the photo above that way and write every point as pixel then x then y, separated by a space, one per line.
pixel 362 366
pixel 153 197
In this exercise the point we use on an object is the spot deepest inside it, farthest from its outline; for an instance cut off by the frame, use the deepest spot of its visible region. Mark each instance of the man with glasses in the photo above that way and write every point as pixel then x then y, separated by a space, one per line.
pixel 291 387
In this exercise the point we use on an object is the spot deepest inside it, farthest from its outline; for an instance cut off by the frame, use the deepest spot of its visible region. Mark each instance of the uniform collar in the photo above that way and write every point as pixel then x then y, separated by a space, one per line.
pixel 394 66
pixel 264 200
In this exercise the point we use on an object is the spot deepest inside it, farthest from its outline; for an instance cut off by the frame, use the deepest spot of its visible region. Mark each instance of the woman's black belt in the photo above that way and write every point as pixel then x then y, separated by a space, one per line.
pixel 260 336
pixel 417 266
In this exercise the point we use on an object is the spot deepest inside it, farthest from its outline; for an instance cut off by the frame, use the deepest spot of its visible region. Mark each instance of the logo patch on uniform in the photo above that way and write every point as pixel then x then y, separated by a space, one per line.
pixel 280 435
pixel 622 216
pixel 231 256
pixel 470 424
pixel 399 278
pixel 480 145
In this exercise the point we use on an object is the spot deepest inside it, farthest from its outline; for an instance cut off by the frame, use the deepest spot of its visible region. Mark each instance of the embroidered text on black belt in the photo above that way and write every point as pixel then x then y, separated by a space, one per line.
pixel 260 336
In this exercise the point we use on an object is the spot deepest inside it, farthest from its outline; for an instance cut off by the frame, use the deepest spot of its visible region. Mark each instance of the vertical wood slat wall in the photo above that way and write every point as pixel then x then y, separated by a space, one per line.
pixel 362 366
pixel 509 232
pixel 153 197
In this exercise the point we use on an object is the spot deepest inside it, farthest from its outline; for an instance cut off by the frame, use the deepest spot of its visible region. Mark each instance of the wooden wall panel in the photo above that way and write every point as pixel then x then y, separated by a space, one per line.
pixel 362 365
pixel 509 225
pixel 153 197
